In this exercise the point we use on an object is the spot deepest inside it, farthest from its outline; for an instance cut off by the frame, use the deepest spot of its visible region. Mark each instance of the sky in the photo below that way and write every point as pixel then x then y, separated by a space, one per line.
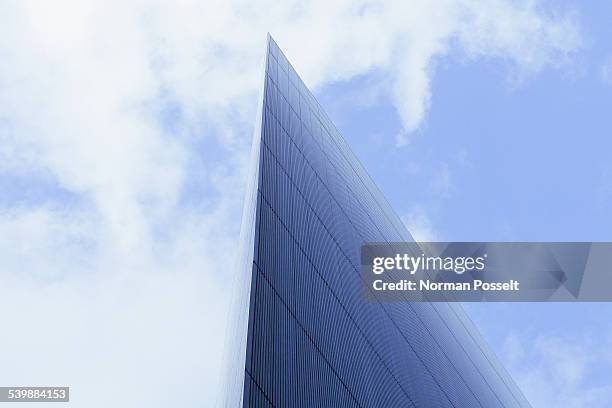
pixel 125 129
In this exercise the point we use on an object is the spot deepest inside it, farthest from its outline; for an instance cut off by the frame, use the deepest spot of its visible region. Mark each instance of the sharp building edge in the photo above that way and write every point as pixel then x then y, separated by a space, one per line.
pixel 301 333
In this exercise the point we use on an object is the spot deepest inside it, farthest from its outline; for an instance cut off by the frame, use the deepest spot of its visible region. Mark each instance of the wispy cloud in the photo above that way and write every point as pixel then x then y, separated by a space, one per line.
pixel 560 370
pixel 420 225
pixel 606 71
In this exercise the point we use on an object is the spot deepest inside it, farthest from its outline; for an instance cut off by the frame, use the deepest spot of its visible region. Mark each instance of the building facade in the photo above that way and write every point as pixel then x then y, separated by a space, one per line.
pixel 302 334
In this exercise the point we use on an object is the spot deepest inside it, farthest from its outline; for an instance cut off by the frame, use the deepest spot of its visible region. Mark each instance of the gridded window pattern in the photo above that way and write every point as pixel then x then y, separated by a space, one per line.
pixel 312 340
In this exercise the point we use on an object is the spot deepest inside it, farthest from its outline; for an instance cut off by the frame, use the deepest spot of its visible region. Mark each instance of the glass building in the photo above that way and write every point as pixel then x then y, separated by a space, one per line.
pixel 302 334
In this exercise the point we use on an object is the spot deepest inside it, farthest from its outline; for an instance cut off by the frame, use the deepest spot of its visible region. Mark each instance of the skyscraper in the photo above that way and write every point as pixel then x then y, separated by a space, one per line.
pixel 302 334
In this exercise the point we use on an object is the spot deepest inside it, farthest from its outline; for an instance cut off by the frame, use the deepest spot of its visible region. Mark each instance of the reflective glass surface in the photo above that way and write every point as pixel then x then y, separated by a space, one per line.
pixel 311 339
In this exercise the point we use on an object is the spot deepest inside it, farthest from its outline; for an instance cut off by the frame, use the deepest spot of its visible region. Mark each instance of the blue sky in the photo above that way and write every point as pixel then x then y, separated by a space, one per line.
pixel 508 156
pixel 123 157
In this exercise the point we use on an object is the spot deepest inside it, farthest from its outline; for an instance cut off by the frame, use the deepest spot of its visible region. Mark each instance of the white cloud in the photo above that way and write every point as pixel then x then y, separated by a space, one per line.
pixel 606 71
pixel 418 222
pixel 141 112
pixel 441 183
pixel 558 371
